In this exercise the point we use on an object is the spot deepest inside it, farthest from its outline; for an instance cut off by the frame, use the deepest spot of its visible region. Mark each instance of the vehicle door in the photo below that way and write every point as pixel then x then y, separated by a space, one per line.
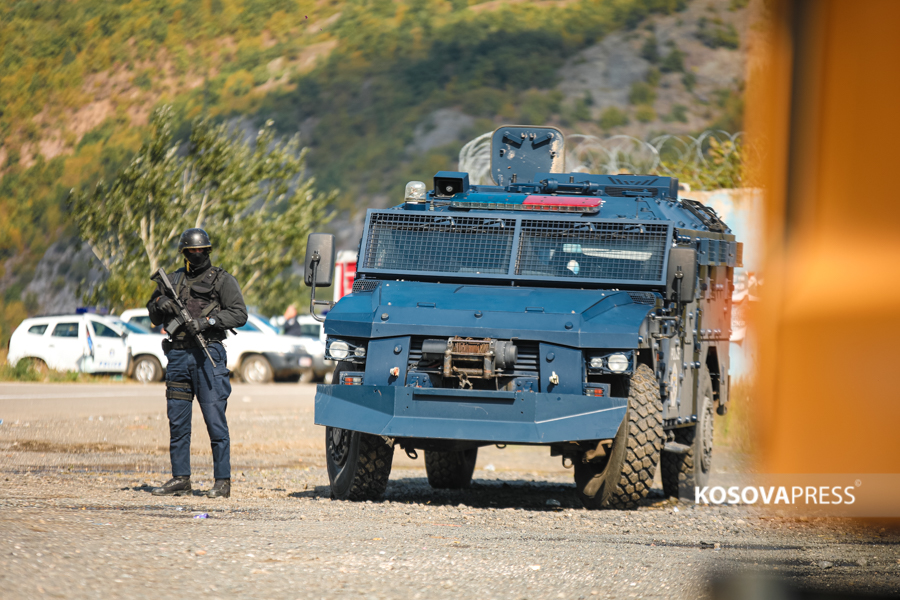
pixel 66 345
pixel 110 353
pixel 33 342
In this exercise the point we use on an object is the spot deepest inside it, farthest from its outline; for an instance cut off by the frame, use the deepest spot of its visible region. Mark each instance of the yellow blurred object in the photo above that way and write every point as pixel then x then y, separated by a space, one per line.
pixel 822 107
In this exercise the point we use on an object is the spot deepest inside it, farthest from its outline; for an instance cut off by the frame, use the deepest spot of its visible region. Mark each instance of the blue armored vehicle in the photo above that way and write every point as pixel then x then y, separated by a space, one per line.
pixel 587 313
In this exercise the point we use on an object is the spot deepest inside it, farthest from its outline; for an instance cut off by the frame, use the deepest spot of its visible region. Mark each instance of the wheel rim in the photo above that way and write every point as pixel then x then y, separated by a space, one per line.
pixel 145 372
pixel 340 445
pixel 256 372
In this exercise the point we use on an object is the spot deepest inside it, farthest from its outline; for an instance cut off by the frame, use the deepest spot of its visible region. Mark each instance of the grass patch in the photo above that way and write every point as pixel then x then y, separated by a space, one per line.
pixel 29 371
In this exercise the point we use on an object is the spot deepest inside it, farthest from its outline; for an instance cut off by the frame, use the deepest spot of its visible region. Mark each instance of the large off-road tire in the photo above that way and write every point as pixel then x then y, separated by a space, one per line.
pixel 359 464
pixel 147 369
pixel 450 470
pixel 625 477
pixel 682 472
pixel 256 369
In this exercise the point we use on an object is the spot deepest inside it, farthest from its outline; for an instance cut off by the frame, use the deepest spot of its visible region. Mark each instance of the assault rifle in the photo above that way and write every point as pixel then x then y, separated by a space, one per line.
pixel 183 315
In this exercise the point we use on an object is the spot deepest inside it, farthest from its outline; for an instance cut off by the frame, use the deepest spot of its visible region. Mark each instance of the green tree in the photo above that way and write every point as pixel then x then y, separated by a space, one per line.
pixel 253 198
pixel 613 117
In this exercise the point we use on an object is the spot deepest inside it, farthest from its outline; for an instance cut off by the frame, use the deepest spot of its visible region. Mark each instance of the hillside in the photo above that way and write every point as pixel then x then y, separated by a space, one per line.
pixel 381 91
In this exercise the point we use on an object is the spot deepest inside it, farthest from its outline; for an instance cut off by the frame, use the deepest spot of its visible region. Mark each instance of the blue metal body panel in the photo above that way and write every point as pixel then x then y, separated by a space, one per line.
pixel 566 317
pixel 511 417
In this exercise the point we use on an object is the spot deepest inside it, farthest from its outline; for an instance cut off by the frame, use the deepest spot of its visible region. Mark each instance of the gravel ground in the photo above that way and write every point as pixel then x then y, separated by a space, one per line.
pixel 77 519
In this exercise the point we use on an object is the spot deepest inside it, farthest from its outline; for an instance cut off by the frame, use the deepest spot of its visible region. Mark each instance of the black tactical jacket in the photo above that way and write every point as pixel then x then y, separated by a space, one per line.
pixel 221 299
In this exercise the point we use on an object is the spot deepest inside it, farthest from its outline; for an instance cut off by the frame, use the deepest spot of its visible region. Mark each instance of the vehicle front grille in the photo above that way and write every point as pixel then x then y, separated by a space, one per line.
pixel 365 285
pixel 643 297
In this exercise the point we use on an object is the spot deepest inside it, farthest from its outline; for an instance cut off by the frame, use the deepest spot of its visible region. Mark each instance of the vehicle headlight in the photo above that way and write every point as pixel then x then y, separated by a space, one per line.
pixel 359 352
pixel 617 363
pixel 597 362
pixel 339 350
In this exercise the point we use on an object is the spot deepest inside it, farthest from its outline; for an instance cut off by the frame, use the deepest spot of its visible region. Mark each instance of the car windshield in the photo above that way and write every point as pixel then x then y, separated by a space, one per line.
pixel 264 321
pixel 133 327
pixel 310 330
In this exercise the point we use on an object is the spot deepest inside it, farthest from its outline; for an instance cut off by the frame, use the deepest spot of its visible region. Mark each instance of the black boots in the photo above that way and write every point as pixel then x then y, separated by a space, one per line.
pixel 177 486
pixel 222 489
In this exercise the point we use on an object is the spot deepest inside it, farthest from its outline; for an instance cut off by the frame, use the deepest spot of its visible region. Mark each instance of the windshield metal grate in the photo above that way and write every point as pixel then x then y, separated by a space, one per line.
pixel 596 250
pixel 439 243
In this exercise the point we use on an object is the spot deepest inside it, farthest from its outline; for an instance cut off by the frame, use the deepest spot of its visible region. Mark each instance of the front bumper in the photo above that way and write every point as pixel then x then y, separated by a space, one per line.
pixel 289 363
pixel 498 417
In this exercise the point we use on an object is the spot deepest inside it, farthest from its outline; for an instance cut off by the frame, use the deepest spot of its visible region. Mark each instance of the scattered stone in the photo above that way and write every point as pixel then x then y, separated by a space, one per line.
pixel 552 502
pixel 862 562
pixel 825 564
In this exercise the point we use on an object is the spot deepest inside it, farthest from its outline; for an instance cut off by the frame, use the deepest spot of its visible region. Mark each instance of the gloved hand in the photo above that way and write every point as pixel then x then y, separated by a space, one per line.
pixel 194 326
pixel 167 306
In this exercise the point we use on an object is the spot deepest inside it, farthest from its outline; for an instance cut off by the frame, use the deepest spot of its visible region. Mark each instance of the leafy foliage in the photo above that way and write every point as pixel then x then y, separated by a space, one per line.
pixel 715 33
pixel 723 168
pixel 253 199
pixel 613 117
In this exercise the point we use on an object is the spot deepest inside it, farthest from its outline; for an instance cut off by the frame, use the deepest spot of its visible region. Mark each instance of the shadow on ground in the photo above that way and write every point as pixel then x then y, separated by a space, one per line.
pixel 515 493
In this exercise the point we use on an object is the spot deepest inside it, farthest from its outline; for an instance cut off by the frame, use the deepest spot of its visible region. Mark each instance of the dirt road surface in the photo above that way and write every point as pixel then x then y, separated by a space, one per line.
pixel 77 519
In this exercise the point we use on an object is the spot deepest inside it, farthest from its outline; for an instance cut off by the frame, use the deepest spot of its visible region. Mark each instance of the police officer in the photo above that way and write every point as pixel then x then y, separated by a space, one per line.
pixel 214 301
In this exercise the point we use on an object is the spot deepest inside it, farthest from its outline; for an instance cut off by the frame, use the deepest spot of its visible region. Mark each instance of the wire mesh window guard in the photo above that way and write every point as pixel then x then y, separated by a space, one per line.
pixel 592 250
pixel 397 242
pixel 439 243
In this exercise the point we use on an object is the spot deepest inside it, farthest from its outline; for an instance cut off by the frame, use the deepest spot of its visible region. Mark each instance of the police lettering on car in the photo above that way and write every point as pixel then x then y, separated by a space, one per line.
pixel 201 305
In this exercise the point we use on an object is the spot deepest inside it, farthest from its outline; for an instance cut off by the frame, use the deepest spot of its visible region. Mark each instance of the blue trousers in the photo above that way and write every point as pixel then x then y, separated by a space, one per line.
pixel 211 387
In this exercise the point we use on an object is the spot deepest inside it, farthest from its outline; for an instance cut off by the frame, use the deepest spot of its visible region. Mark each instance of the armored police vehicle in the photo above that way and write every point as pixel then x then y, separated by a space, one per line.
pixel 587 313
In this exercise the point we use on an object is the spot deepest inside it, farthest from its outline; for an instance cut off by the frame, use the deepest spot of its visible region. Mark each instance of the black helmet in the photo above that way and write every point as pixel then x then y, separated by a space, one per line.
pixel 193 238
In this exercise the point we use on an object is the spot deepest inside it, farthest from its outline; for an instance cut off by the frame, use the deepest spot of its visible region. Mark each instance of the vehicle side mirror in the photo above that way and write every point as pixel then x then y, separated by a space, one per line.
pixel 319 263
pixel 681 278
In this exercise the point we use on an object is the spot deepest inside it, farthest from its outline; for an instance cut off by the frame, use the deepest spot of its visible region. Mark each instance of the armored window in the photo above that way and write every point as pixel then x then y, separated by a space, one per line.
pixel 597 250
pixel 439 244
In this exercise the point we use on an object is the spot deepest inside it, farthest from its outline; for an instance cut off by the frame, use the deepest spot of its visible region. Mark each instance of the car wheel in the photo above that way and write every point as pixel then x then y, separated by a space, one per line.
pixel 35 365
pixel 256 369
pixel 307 376
pixel 147 369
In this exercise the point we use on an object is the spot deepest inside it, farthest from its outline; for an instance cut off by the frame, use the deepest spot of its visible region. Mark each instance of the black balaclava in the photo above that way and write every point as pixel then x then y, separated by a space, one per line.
pixel 196 263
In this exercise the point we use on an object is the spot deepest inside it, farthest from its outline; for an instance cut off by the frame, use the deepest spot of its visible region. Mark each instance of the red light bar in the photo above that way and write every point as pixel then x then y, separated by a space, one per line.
pixel 559 202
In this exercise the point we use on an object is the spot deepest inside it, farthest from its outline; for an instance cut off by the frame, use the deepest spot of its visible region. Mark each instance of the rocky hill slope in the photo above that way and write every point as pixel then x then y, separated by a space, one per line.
pixel 382 92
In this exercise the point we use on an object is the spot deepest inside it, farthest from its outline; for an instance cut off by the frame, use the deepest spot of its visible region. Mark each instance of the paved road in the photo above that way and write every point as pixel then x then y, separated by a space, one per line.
pixel 77 519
